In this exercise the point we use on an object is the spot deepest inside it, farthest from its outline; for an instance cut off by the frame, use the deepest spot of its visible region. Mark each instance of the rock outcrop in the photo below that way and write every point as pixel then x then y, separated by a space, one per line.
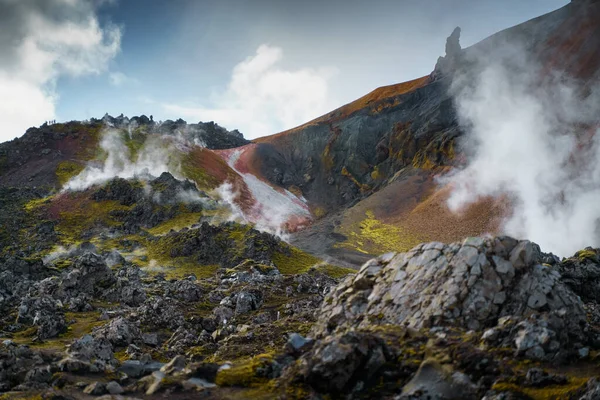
pixel 495 286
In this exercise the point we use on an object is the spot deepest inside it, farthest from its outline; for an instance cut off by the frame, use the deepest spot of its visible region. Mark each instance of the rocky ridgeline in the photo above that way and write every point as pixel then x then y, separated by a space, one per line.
pixel 489 317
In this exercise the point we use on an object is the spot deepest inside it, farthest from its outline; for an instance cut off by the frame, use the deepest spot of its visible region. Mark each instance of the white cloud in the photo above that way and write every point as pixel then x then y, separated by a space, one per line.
pixel 262 98
pixel 42 40
pixel 118 79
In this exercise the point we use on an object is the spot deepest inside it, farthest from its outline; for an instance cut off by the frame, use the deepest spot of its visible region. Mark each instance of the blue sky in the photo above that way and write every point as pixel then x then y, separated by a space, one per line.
pixel 293 60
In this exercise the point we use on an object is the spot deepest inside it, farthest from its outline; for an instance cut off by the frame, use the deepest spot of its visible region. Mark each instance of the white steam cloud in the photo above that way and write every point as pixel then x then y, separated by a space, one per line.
pixel 153 159
pixel 228 196
pixel 263 98
pixel 40 41
pixel 533 136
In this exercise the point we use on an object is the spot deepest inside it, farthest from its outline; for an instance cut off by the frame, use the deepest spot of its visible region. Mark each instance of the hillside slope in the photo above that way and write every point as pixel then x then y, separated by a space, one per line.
pixel 349 181
pixel 377 159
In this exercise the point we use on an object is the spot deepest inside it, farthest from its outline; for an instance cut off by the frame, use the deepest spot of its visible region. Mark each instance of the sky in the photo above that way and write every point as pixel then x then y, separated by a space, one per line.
pixel 260 66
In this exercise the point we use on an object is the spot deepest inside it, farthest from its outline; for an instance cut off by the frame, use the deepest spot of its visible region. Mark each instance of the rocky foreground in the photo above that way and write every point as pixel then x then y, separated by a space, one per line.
pixel 490 318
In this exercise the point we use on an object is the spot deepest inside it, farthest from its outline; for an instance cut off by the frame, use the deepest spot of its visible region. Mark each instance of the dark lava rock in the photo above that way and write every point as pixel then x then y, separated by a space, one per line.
pixel 340 362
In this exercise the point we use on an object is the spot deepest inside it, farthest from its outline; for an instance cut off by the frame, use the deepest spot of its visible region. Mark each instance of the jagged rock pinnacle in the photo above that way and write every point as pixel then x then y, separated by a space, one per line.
pixel 453 44
pixel 446 65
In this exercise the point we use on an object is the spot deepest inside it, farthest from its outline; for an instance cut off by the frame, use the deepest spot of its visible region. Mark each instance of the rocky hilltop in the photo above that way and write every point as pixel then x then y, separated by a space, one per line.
pixel 145 259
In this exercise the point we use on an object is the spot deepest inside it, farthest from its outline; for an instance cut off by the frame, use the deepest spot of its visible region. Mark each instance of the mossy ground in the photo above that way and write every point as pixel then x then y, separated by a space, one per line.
pixel 21 396
pixel 299 262
pixel 244 373
pixel 184 220
pixel 552 392
pixel 67 170
pixel 79 324
pixel 371 236
pixel 587 255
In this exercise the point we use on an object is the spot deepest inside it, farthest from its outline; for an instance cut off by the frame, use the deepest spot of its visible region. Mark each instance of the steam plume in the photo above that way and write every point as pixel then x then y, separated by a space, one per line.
pixel 153 159
pixel 532 135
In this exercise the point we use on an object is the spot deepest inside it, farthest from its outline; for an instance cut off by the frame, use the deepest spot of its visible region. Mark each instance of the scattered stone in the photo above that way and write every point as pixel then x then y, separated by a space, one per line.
pixel 95 389
pixel 433 381
pixel 175 365
pixel 114 388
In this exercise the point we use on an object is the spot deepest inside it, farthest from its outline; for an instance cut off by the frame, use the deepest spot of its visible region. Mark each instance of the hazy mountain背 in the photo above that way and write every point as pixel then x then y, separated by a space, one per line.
pixel 172 260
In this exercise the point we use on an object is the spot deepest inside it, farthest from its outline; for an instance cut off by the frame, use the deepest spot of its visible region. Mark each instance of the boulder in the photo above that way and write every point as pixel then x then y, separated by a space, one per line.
pixel 478 285
pixel 119 332
pixel 90 274
pixel 433 381
pixel 46 313
pixel 338 363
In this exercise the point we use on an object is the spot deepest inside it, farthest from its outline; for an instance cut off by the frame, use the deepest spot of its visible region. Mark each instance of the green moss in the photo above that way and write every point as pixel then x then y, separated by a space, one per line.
pixel 553 392
pixel 67 170
pixel 244 374
pixel 83 214
pixel 34 205
pixel 177 223
pixel 362 187
pixel 372 236
pixel 21 396
pixel 134 142
pixel 335 271
pixel 204 169
pixel 587 254
pixel 121 355
pixel 297 262
pixel 158 259
pixel 80 324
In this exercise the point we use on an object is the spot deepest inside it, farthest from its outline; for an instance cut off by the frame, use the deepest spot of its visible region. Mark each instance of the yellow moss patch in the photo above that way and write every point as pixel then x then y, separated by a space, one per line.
pixel 554 392
pixel 434 154
pixel 180 268
pixel 296 263
pixel 83 324
pixel 334 271
pixel 122 355
pixel 362 187
pixel 21 396
pixel 34 205
pixel 84 215
pixel 67 170
pixel 180 221
pixel 372 236
pixel 376 174
pixel 244 374
pixel 586 255
pixel 319 212
pixel 299 262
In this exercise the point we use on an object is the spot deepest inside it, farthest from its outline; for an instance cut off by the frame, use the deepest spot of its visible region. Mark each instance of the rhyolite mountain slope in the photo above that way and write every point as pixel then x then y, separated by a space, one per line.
pixel 173 260
pixel 379 155
pixel 364 170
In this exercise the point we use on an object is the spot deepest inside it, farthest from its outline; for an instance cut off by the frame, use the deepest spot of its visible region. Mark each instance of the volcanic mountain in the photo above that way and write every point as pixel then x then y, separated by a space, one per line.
pixel 355 182
pixel 127 242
